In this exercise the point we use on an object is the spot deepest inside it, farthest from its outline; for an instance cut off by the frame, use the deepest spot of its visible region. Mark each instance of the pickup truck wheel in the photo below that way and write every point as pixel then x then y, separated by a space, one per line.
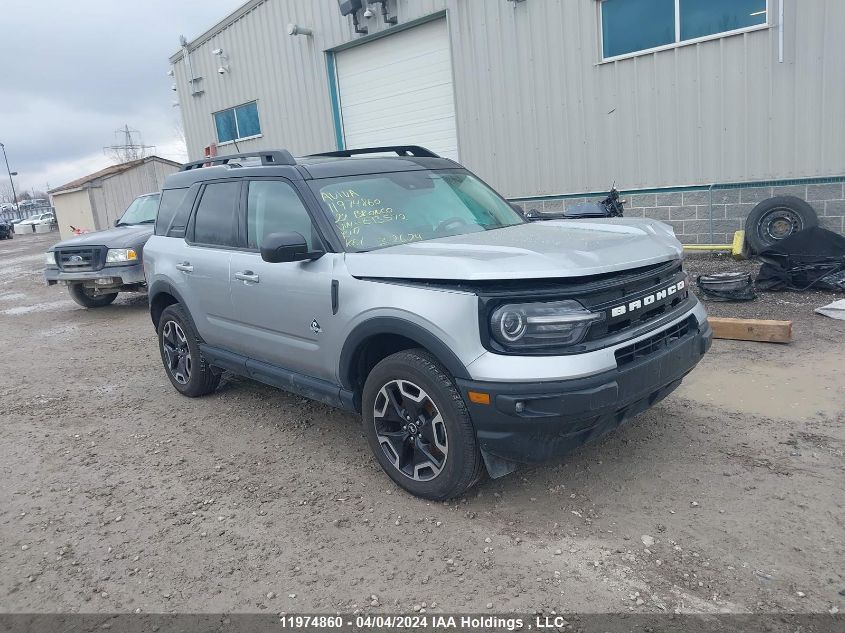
pixel 87 299
pixel 186 367
pixel 418 426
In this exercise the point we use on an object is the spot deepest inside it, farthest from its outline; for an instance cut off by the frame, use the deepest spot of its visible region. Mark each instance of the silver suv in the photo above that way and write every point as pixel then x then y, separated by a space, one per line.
pixel 405 289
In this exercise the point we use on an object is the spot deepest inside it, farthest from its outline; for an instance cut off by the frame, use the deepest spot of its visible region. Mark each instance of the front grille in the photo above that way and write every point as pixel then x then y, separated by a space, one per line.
pixel 81 259
pixel 655 343
pixel 640 303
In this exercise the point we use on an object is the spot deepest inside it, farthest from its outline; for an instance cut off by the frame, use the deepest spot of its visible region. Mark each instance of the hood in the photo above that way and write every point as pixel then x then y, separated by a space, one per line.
pixel 554 248
pixel 118 237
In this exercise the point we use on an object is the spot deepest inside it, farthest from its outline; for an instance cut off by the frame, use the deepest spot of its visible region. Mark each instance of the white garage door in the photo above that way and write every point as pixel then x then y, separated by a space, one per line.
pixel 398 91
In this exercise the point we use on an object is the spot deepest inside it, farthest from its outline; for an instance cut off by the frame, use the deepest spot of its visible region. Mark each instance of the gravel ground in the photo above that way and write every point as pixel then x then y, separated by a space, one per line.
pixel 118 494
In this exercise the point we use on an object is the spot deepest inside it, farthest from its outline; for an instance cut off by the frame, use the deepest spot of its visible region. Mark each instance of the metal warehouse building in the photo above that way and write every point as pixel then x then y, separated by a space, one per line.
pixel 699 108
pixel 95 201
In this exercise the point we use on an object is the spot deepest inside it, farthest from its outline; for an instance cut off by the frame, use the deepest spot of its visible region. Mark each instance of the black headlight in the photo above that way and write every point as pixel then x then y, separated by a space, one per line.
pixel 541 324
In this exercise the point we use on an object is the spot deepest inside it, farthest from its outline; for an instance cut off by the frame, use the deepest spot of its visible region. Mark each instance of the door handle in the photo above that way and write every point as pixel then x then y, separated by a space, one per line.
pixel 247 276
pixel 185 267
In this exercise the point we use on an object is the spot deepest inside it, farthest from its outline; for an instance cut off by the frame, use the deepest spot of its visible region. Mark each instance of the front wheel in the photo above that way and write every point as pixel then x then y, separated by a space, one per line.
pixel 87 298
pixel 418 427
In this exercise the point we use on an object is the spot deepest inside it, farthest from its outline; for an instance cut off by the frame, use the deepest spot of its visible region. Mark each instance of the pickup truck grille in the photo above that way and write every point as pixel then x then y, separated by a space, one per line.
pixel 81 259
pixel 652 344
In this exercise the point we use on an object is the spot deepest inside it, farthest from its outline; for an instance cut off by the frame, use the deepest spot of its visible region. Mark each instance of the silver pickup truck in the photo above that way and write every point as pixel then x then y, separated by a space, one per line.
pixel 95 267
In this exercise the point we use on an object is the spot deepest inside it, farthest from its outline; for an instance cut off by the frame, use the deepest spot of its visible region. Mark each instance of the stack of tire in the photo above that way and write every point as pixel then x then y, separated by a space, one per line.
pixel 776 219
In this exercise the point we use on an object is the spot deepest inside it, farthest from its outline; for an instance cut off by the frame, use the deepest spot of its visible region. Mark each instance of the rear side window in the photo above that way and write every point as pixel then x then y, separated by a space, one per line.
pixel 172 213
pixel 215 216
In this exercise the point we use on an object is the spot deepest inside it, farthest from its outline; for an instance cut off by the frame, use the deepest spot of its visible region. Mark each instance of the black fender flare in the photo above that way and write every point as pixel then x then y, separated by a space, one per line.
pixel 164 287
pixel 401 327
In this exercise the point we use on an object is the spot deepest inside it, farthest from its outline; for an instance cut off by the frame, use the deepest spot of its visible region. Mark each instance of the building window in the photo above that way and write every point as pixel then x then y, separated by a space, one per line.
pixel 633 26
pixel 237 123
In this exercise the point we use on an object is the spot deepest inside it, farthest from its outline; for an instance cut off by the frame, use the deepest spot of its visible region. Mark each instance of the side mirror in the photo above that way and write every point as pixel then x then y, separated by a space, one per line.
pixel 289 246
pixel 117 221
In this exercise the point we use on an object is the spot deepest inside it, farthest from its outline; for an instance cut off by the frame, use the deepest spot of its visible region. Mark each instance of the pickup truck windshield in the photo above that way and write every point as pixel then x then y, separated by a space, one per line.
pixel 380 210
pixel 142 211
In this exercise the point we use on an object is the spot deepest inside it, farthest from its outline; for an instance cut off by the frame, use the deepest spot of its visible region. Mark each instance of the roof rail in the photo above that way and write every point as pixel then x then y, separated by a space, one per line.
pixel 401 150
pixel 268 157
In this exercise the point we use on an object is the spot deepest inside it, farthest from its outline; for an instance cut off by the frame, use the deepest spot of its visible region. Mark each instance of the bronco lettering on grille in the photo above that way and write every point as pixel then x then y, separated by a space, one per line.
pixel 644 302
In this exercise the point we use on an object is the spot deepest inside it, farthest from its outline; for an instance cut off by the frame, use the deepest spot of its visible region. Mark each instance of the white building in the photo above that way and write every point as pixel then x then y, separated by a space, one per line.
pixel 701 108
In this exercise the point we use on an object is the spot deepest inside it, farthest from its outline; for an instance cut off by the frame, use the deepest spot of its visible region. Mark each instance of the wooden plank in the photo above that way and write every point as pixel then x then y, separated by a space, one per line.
pixel 751 329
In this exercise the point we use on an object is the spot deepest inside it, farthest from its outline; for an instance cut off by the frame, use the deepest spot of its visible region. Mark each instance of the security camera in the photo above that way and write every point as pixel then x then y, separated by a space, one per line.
pixel 222 70
pixel 170 73
pixel 368 13
pixel 217 51
pixel 173 87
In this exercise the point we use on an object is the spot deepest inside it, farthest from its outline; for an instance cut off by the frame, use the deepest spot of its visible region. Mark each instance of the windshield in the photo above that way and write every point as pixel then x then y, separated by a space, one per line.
pixel 380 210
pixel 142 211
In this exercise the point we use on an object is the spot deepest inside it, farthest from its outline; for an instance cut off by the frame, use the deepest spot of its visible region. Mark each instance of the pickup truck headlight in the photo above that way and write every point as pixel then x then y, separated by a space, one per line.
pixel 121 255
pixel 533 325
pixel 50 258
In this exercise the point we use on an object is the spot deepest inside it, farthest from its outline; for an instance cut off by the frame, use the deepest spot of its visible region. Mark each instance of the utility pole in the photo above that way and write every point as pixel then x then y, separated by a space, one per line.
pixel 130 149
pixel 9 171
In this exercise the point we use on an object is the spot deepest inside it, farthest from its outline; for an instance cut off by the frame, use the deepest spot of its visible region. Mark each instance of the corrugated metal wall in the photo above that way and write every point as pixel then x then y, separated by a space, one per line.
pixel 73 209
pixel 286 74
pixel 538 115
pixel 115 193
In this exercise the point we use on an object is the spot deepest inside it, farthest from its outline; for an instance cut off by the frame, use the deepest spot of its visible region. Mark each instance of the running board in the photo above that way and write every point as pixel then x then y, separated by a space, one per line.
pixel 285 379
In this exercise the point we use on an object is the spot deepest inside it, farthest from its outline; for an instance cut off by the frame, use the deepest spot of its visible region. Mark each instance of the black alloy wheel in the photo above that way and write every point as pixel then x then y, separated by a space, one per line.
pixel 410 430
pixel 177 355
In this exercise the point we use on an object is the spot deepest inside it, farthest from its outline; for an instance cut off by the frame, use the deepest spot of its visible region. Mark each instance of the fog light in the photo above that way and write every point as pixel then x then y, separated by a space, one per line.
pixel 104 281
pixel 519 407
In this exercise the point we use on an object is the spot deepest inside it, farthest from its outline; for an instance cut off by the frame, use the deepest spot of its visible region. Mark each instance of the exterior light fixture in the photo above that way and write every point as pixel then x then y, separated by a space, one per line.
pixel 295 29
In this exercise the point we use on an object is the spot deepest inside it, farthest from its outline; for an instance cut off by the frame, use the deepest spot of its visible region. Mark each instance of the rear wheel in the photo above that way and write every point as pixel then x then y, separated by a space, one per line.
pixel 418 426
pixel 186 367
pixel 87 298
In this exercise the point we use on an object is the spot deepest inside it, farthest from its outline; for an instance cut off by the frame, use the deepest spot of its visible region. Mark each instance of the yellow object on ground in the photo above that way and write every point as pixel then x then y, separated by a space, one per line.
pixel 707 247
pixel 737 249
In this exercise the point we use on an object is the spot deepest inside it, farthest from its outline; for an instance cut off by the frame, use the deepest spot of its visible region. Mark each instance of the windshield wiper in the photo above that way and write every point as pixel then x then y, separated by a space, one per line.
pixel 134 223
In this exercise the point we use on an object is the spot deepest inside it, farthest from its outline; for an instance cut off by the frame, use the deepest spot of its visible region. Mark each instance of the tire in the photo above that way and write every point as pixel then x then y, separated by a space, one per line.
pixel 83 297
pixel 776 219
pixel 179 345
pixel 438 457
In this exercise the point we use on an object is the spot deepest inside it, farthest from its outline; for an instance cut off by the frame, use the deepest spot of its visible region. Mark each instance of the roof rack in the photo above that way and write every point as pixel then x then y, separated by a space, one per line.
pixel 268 157
pixel 401 150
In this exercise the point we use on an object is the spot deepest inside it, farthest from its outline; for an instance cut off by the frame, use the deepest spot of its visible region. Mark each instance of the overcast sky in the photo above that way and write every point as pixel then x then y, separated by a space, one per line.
pixel 74 71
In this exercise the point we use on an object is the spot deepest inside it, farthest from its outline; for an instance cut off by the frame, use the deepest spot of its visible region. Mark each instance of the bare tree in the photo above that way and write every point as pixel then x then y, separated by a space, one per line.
pixel 5 192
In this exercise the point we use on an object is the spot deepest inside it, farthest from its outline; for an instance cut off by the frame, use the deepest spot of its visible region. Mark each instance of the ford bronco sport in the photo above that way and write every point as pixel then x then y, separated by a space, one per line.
pixel 95 267
pixel 407 290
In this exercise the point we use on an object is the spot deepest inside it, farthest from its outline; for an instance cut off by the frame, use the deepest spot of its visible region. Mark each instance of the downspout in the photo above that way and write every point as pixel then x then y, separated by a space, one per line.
pixel 710 195
pixel 186 54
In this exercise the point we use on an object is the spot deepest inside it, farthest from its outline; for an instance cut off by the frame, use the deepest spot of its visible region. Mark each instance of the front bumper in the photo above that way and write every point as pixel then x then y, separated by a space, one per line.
pixel 534 422
pixel 130 275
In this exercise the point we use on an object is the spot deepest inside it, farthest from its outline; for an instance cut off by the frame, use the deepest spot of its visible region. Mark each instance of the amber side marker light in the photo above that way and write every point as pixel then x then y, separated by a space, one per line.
pixel 478 397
